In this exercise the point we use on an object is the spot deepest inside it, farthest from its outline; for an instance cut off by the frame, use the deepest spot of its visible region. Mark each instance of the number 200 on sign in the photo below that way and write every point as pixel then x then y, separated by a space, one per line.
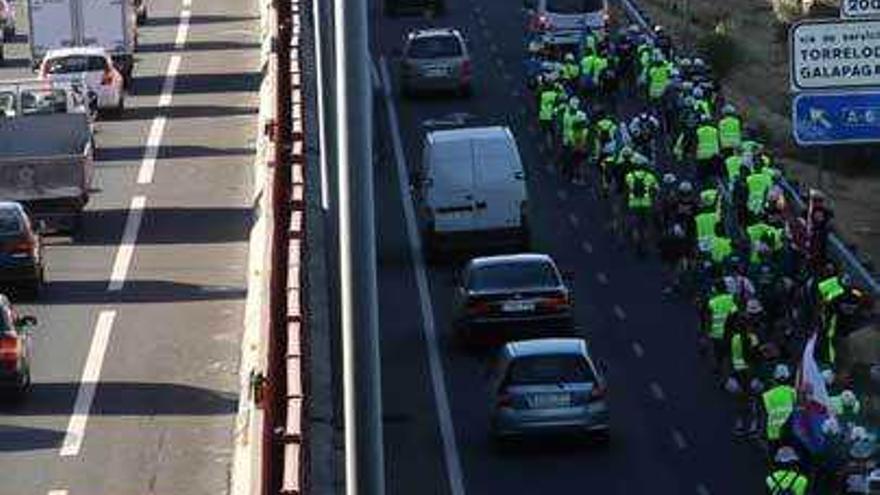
pixel 861 7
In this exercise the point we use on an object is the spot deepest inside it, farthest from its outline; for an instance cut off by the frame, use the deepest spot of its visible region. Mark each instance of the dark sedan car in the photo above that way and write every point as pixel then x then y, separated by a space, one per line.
pixel 21 252
pixel 509 296
pixel 15 372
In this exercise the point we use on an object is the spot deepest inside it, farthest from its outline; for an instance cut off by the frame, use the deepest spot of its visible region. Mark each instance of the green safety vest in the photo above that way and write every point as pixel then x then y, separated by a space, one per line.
pixel 730 132
pixel 785 479
pixel 733 164
pixel 758 184
pixel 569 70
pixel 706 224
pixel 605 127
pixel 707 142
pixel 836 402
pixel 722 248
pixel 703 107
pixel 830 289
pixel 658 80
pixel 737 352
pixel 757 231
pixel 779 404
pixel 720 308
pixel 548 102
pixel 650 184
pixel 595 65
pixel 709 196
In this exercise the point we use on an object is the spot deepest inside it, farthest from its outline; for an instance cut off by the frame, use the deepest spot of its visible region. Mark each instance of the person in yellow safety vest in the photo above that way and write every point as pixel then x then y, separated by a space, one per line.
pixel 743 352
pixel 720 250
pixel 785 478
pixel 659 74
pixel 580 147
pixel 708 151
pixel 846 407
pixel 709 199
pixel 758 184
pixel 570 70
pixel 701 105
pixel 729 130
pixel 718 311
pixel 778 403
pixel 548 96
pixel 830 289
pixel 604 135
pixel 761 233
pixel 596 65
pixel 644 53
pixel 733 165
pixel 641 186
pixel 706 223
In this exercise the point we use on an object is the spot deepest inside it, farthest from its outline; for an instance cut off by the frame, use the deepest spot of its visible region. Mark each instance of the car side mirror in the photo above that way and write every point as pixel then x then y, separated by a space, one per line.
pixel 27 321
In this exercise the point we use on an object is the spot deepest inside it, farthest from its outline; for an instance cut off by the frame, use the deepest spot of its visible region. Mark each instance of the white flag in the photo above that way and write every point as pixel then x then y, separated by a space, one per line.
pixel 810 381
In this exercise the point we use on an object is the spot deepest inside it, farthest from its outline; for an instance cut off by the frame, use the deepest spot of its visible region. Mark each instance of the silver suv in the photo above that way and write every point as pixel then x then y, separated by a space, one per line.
pixel 436 60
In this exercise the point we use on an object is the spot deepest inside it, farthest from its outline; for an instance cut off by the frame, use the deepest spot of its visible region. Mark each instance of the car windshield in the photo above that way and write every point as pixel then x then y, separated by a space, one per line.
pixel 574 6
pixel 10 222
pixel 551 369
pixel 43 101
pixel 434 47
pixel 75 63
pixel 513 276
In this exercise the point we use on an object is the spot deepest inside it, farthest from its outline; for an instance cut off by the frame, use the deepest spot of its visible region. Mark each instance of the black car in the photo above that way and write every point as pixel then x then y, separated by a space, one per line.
pixel 21 251
pixel 511 296
pixel 15 371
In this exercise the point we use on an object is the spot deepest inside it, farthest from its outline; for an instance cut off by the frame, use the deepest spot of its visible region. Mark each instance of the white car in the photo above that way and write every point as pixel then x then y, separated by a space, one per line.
pixel 93 67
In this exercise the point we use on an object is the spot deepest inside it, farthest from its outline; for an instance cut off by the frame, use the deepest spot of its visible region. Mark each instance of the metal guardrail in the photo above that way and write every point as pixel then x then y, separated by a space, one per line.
pixel 838 249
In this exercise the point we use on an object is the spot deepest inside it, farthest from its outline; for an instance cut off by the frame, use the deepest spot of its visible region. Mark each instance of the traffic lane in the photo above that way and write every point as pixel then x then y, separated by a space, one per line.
pixel 413 449
pixel 181 341
pixel 491 101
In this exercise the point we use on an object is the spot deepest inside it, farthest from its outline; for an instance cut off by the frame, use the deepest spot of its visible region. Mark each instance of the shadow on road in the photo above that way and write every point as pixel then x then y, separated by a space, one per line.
pixel 198 46
pixel 185 112
pixel 168 226
pixel 166 152
pixel 243 82
pixel 121 399
pixel 21 439
pixel 198 19
pixel 72 292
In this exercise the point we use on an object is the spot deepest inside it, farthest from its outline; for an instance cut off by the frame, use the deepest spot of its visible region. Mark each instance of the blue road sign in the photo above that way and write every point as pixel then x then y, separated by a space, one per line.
pixel 836 118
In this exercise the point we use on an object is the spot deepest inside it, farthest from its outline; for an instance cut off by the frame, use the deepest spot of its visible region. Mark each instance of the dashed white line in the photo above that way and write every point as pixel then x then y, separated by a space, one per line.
pixel 125 251
pixel 638 349
pixel 182 29
pixel 703 490
pixel 435 363
pixel 151 150
pixel 170 78
pixel 657 391
pixel 91 374
pixel 587 247
pixel 602 278
pixel 57 492
pixel 573 220
pixel 619 312
pixel 679 440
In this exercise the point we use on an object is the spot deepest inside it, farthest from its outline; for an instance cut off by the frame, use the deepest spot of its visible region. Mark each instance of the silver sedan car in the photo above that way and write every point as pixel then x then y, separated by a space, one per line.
pixel 435 60
pixel 547 387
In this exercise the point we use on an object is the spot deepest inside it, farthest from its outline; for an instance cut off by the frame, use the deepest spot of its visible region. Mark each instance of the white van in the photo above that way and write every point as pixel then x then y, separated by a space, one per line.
pixel 473 190
pixel 563 22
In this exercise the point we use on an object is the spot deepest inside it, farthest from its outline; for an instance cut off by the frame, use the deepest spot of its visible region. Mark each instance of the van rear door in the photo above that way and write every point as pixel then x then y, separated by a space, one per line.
pixel 450 192
pixel 500 185
pixel 51 25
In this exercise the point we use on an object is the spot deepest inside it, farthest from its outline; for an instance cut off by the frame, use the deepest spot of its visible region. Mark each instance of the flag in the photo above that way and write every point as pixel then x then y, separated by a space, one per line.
pixel 815 405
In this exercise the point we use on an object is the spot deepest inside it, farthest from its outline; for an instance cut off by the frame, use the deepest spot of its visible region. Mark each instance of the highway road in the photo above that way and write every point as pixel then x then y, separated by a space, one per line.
pixel 143 309
pixel 671 425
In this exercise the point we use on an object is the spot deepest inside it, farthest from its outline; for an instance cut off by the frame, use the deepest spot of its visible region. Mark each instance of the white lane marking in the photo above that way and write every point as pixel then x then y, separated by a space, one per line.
pixel 170 78
pixel 57 492
pixel 602 278
pixel 703 490
pixel 317 34
pixel 447 431
pixel 573 220
pixel 187 3
pixel 587 247
pixel 679 440
pixel 91 374
pixel 126 245
pixel 182 29
pixel 638 349
pixel 619 312
pixel 657 391
pixel 151 150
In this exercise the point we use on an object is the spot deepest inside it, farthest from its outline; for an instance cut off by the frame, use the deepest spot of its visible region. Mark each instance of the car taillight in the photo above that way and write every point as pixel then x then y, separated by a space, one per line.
pixel 556 303
pixel 107 78
pixel 476 307
pixel 598 392
pixel 542 23
pixel 10 351
pixel 466 70
pixel 24 246
pixel 503 400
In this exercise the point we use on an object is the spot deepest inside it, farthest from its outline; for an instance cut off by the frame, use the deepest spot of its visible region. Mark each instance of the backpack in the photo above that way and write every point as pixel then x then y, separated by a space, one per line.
pixel 639 189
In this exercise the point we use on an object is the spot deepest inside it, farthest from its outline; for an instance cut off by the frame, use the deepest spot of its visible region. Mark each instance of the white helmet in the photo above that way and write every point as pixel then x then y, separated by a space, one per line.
pixel 753 307
pixel 786 455
pixel 698 93
pixel 728 109
pixel 781 373
pixel 831 427
pixel 686 187
pixel 859 434
pixel 581 115
pixel 698 62
pixel 669 179
pixel 848 398
pixel 569 57
pixel 574 101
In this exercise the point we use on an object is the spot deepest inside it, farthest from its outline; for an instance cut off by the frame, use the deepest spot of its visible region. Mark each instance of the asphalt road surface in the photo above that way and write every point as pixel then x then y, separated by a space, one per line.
pixel 146 301
pixel 671 425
